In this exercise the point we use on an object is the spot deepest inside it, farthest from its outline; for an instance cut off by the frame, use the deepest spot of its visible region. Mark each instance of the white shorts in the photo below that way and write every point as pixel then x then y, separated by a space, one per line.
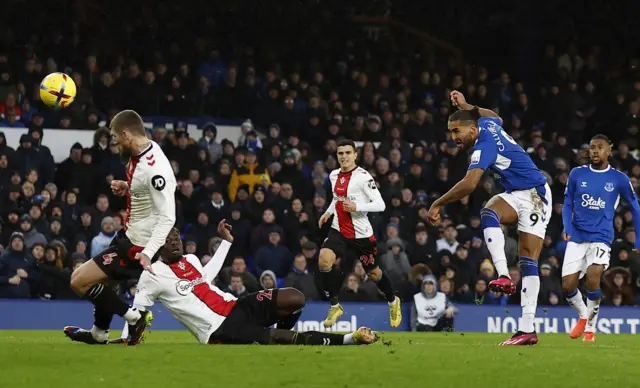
pixel 579 256
pixel 533 213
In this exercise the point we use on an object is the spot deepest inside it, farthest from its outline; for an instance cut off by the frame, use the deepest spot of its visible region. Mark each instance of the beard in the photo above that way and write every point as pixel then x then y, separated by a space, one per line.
pixel 125 155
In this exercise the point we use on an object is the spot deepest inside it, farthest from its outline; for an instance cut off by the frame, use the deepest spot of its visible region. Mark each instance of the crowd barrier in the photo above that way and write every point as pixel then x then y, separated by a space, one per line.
pixel 54 315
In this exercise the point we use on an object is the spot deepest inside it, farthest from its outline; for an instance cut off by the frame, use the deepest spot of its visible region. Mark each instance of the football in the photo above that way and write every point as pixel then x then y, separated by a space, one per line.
pixel 57 90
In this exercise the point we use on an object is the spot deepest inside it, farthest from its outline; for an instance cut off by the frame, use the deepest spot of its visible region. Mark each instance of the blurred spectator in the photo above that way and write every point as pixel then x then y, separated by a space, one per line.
pixel 103 239
pixel 431 310
pixel 301 279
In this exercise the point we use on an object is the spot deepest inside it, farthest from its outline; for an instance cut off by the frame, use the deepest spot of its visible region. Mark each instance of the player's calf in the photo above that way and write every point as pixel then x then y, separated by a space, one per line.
pixel 384 285
pixel 594 294
pixel 330 278
pixel 362 336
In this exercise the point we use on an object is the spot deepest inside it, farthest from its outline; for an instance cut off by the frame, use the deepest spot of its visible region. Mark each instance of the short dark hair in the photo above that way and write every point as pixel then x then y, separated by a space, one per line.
pixel 128 119
pixel 601 137
pixel 347 142
pixel 465 115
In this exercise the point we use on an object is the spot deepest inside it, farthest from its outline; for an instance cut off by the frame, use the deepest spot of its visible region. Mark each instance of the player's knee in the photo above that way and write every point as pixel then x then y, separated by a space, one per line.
pixel 489 218
pixel 297 299
pixel 375 274
pixel 326 259
pixel 78 283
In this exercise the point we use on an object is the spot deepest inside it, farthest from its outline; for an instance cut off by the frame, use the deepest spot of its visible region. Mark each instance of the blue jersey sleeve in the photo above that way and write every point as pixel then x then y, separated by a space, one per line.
pixel 483 121
pixel 484 154
pixel 567 209
pixel 627 193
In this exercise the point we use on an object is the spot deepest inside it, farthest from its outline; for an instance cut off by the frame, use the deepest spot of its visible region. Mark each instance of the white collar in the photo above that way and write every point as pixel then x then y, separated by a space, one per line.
pixel 600 171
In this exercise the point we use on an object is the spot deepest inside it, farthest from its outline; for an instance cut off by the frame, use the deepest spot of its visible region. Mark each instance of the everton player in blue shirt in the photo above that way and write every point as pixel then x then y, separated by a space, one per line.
pixel 590 201
pixel 525 202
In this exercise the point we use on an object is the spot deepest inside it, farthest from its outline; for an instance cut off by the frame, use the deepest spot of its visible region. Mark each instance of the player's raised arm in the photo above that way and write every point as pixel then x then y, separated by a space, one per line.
pixel 458 100
pixel 212 268
pixel 376 203
pixel 162 189
pixel 567 208
pixel 629 195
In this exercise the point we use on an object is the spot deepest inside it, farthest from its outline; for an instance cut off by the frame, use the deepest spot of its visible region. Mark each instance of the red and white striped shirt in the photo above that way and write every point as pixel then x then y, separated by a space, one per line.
pixel 185 289
pixel 358 186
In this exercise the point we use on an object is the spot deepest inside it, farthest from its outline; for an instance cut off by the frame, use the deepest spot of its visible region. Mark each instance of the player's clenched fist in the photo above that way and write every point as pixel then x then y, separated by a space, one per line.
pixel 119 188
pixel 457 99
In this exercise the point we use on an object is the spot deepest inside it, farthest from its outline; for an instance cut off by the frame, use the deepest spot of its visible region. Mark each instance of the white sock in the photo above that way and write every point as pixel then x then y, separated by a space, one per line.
pixel 577 303
pixel 494 238
pixel 132 315
pixel 348 339
pixel 394 302
pixel 99 334
pixel 529 302
pixel 593 307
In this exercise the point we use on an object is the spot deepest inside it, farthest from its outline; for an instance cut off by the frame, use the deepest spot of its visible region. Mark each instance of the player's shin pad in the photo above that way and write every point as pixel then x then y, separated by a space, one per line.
pixel 106 300
pixel 331 282
pixel 317 338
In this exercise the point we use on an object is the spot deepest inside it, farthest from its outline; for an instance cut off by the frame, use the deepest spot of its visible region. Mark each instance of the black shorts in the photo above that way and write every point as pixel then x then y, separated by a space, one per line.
pixel 118 260
pixel 249 321
pixel 366 249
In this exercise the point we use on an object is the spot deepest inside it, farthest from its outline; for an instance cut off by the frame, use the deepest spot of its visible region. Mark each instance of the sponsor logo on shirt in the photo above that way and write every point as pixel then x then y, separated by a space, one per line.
pixel 185 287
pixel 594 204
pixel 475 157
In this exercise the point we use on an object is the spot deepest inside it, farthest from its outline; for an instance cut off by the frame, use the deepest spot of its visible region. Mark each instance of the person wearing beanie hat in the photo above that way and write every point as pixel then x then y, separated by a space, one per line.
pixel 150 216
pixel 208 141
pixel 30 234
pixel 15 269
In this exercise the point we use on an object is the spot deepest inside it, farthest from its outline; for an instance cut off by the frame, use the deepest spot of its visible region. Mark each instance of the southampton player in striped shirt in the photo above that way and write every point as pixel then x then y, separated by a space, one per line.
pixel 591 198
pixel 525 202
pixel 354 195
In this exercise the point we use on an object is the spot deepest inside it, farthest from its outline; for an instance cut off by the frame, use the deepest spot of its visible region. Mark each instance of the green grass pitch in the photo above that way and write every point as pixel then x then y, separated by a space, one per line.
pixel 46 359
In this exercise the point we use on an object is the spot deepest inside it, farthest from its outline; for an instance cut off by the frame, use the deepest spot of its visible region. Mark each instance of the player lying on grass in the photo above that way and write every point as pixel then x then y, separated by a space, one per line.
pixel 184 287
pixel 590 201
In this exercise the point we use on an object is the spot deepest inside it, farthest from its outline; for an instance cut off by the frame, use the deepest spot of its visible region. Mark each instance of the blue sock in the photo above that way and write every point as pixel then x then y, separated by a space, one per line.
pixel 572 294
pixel 594 295
pixel 528 266
pixel 529 293
pixel 489 218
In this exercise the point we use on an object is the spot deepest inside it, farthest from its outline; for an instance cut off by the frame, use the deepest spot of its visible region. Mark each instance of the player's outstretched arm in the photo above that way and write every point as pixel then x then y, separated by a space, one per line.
pixel 212 268
pixel 457 192
pixel 567 208
pixel 458 100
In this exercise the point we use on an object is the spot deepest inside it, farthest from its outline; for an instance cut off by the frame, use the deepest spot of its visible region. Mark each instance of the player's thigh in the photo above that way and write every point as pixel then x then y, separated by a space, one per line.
pixel 574 258
pixel 505 210
pixel 262 307
pixel 366 250
pixel 333 247
pixel 116 264
pixel 598 257
pixel 238 329
pixel 87 275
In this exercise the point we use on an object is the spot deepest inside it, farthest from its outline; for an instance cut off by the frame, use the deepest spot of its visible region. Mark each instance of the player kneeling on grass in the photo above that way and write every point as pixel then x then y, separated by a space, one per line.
pixel 183 286
pixel 591 198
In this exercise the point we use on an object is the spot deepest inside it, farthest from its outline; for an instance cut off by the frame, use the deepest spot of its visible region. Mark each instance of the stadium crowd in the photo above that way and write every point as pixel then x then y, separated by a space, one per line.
pixel 272 189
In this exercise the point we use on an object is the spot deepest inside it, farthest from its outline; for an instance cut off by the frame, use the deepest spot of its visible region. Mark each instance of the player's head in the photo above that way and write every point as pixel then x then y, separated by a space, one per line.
pixel 600 150
pixel 126 127
pixel 347 154
pixel 172 251
pixel 463 127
